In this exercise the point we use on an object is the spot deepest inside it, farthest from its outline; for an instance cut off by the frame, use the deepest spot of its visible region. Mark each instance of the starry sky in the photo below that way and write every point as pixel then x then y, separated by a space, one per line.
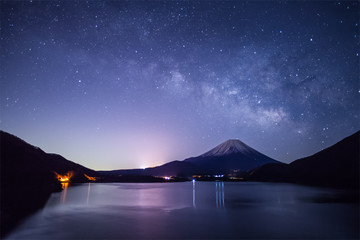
pixel 130 84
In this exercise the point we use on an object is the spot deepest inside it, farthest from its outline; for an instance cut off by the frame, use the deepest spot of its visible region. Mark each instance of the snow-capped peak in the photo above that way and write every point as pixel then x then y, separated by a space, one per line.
pixel 229 147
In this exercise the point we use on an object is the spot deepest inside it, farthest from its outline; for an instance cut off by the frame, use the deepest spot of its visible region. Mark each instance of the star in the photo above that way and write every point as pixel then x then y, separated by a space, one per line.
pixel 173 72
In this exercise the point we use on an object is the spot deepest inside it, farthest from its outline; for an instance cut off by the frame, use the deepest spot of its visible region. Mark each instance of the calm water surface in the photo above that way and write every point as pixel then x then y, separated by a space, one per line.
pixel 192 210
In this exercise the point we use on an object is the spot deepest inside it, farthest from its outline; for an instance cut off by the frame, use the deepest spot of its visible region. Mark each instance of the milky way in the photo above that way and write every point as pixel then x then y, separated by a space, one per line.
pixel 130 84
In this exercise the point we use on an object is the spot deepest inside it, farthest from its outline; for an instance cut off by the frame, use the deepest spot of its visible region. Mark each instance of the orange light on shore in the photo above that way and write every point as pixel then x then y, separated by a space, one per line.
pixel 64 178
pixel 90 178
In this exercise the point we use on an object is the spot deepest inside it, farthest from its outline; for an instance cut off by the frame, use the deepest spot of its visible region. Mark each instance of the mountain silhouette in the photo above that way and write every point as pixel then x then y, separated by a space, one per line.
pixel 21 161
pixel 335 166
pixel 224 158
pixel 230 155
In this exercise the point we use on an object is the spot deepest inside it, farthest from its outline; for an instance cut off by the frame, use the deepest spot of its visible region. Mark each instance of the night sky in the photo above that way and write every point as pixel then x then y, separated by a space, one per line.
pixel 131 84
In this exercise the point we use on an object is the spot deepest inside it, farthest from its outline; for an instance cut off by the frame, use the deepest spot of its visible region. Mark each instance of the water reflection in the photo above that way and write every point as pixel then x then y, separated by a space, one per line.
pixel 88 194
pixel 194 203
pixel 164 210
pixel 65 186
pixel 220 195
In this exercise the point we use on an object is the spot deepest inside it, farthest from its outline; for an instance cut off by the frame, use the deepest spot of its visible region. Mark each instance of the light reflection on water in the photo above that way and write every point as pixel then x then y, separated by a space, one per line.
pixel 194 195
pixel 65 186
pixel 199 210
pixel 88 194
pixel 220 195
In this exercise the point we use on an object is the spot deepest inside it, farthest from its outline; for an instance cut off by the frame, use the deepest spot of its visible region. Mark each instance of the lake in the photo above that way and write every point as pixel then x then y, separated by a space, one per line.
pixel 192 210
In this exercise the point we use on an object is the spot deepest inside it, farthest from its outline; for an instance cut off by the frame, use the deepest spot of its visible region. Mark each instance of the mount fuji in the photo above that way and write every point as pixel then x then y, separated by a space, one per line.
pixel 229 147
pixel 230 155
pixel 224 158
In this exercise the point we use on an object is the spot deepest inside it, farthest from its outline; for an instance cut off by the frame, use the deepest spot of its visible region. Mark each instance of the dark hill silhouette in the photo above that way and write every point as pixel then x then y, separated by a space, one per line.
pixel 22 161
pixel 335 166
pixel 228 156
